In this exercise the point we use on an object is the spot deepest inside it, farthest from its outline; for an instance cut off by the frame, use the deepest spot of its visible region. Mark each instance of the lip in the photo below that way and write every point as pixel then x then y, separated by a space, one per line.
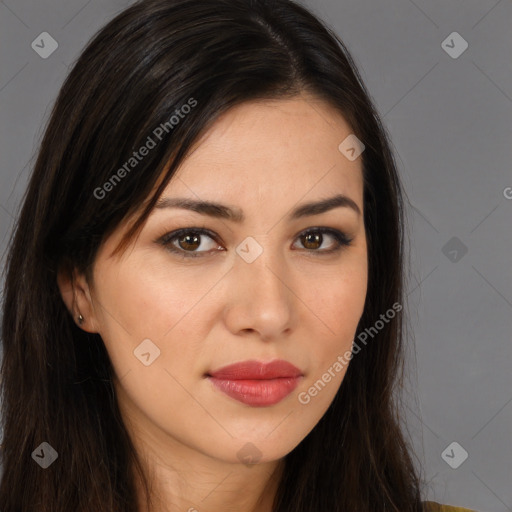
pixel 257 370
pixel 256 383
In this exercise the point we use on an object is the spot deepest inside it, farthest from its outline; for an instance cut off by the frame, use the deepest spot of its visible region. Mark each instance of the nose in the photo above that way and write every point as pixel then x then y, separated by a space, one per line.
pixel 261 298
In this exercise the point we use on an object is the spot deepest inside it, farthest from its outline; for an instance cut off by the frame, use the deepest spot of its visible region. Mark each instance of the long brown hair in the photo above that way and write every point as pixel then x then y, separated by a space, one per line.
pixel 137 72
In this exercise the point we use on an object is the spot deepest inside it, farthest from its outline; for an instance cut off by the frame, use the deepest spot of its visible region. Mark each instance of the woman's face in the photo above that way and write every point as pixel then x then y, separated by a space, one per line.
pixel 274 286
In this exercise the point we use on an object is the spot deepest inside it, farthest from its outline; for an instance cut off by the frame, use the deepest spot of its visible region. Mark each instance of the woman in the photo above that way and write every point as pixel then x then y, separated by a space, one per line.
pixel 204 290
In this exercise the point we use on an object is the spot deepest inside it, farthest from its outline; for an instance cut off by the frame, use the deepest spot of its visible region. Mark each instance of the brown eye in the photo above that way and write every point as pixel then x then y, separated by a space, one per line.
pixel 312 240
pixel 189 242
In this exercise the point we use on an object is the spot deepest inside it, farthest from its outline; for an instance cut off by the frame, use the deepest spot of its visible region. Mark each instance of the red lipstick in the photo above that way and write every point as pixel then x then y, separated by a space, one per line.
pixel 255 383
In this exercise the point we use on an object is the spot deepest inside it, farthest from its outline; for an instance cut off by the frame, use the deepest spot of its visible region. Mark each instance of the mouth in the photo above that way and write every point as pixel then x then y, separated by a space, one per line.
pixel 255 383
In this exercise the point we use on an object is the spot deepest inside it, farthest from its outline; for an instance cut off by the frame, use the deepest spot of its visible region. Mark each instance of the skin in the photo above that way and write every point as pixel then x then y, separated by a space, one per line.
pixel 291 303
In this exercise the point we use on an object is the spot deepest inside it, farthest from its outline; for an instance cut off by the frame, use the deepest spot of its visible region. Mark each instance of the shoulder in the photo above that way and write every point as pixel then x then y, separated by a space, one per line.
pixel 432 506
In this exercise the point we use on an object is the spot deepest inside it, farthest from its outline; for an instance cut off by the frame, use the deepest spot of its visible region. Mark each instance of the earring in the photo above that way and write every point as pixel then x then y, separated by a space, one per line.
pixel 80 318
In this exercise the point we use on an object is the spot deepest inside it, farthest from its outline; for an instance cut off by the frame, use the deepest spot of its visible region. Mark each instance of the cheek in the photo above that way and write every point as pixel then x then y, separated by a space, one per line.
pixel 339 312
pixel 339 305
pixel 141 302
pixel 148 300
pixel 134 303
pixel 156 301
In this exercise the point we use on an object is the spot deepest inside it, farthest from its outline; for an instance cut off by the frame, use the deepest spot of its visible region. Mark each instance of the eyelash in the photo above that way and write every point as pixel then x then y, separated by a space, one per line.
pixel 341 239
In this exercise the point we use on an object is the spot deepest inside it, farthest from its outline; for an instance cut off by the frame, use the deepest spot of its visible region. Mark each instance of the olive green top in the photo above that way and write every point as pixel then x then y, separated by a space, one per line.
pixel 432 506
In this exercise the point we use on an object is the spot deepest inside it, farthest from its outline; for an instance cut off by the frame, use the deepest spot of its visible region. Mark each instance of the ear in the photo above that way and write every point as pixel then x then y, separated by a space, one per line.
pixel 75 293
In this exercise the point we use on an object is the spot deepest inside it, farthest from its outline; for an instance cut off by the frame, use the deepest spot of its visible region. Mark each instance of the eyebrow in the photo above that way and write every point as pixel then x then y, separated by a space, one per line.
pixel 234 214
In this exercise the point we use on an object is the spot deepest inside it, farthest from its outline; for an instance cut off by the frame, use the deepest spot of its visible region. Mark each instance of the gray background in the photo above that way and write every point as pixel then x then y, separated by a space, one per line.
pixel 450 120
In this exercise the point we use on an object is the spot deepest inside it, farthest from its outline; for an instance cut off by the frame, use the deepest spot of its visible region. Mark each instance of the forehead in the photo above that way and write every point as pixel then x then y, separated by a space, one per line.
pixel 275 149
